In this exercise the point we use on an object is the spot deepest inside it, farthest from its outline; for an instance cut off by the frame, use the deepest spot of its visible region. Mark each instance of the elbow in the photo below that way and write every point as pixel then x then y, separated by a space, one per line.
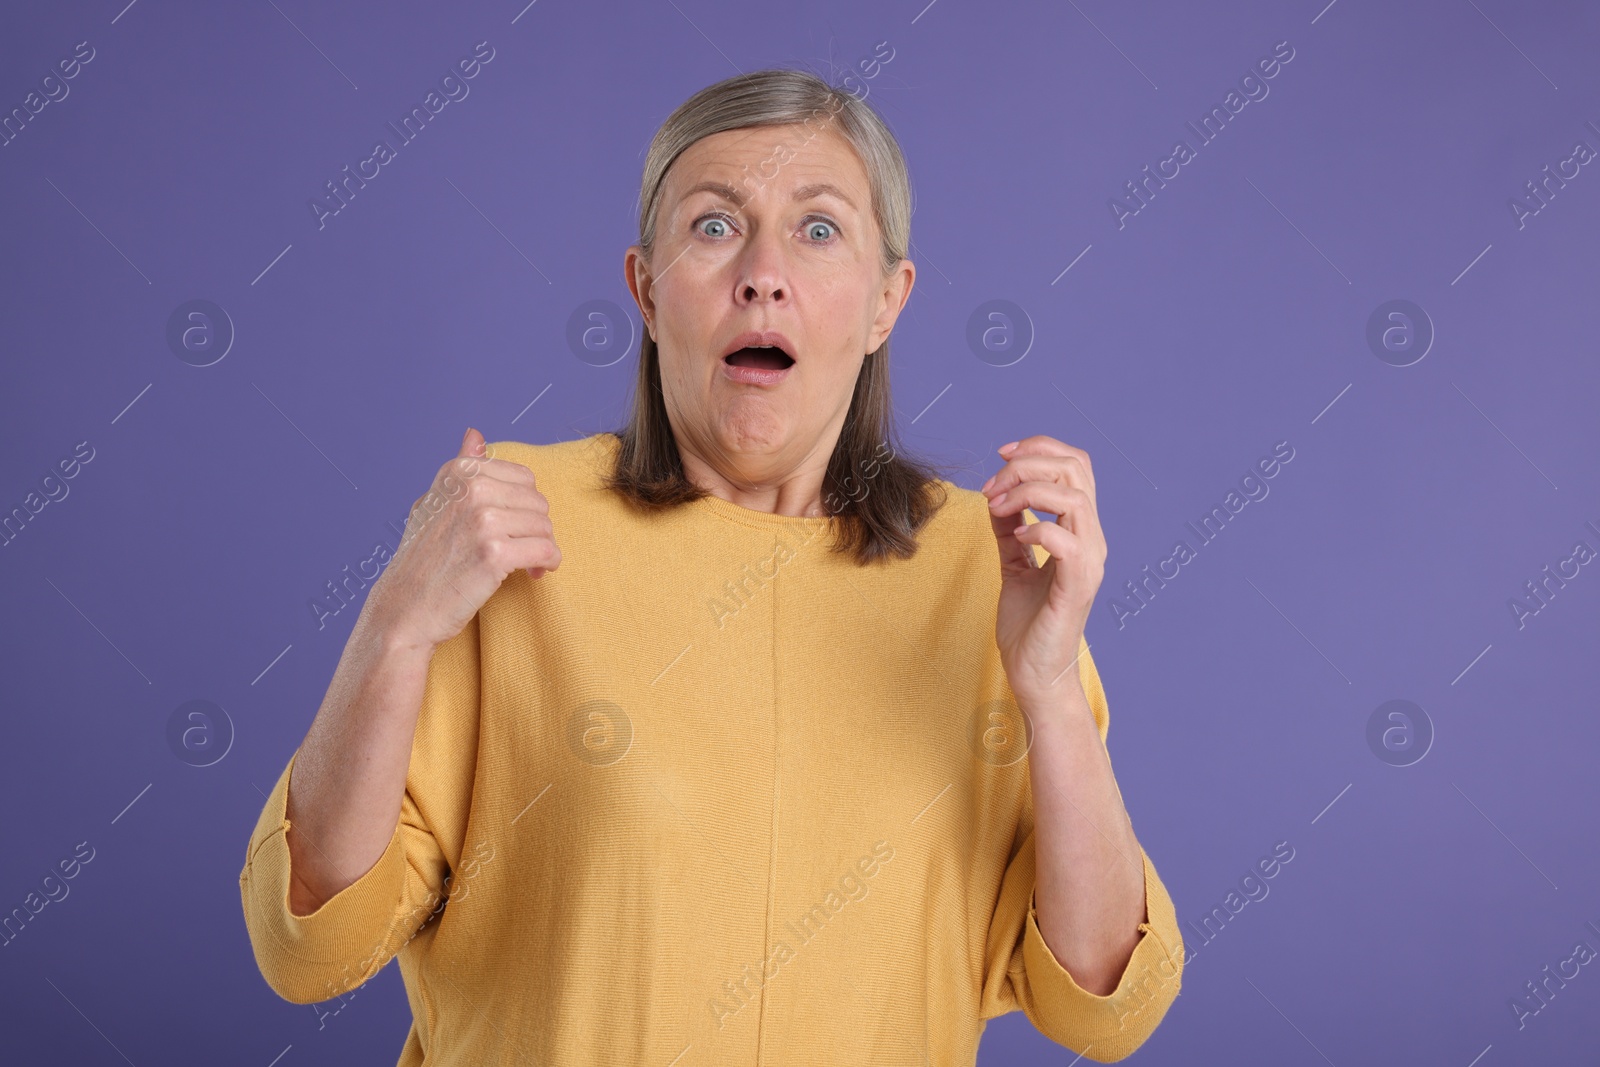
pixel 295 979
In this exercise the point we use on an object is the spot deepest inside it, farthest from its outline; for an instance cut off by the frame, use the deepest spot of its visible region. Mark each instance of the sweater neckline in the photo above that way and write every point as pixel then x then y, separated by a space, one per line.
pixel 726 510
pixel 711 504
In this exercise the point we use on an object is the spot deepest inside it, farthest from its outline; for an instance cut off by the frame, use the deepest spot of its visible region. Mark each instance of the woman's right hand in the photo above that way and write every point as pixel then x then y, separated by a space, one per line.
pixel 480 520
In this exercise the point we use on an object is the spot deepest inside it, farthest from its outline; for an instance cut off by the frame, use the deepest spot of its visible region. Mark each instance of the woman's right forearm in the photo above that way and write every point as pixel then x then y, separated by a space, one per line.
pixel 349 774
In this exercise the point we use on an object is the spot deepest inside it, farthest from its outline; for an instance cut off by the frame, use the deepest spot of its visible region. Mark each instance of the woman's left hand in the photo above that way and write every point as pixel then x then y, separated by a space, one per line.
pixel 1042 611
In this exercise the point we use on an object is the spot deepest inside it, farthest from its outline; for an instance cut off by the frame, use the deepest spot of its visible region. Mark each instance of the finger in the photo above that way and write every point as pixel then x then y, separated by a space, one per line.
pixel 526 553
pixel 1041 445
pixel 1013 553
pixel 514 522
pixel 1069 503
pixel 1068 470
pixel 504 469
pixel 478 493
pixel 1054 539
pixel 491 492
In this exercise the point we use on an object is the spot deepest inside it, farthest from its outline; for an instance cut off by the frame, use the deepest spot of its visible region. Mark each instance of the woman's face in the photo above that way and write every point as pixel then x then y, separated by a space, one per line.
pixel 768 229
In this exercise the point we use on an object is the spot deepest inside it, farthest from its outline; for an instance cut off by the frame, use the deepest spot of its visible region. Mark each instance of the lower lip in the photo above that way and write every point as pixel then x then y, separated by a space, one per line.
pixel 755 375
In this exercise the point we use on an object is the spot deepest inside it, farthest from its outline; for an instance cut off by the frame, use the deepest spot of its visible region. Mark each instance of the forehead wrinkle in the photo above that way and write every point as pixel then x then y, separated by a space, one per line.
pixel 733 195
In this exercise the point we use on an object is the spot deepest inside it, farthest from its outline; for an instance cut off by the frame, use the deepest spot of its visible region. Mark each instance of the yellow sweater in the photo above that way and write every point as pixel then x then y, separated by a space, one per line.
pixel 711 794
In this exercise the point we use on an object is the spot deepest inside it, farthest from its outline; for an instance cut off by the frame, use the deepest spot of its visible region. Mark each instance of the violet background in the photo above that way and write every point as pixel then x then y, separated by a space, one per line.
pixel 1228 315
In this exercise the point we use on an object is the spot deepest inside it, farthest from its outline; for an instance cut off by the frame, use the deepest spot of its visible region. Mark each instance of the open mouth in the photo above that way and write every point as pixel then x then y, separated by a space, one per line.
pixel 769 357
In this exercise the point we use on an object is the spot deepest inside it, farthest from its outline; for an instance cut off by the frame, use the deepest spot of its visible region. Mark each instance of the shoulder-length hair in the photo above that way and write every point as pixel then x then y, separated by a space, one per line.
pixel 878 496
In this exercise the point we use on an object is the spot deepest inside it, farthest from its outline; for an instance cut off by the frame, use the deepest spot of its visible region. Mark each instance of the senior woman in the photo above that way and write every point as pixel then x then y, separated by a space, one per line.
pixel 792 751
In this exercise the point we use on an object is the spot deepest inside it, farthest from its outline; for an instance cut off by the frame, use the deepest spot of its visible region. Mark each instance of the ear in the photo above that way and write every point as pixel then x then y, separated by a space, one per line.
pixel 637 272
pixel 896 290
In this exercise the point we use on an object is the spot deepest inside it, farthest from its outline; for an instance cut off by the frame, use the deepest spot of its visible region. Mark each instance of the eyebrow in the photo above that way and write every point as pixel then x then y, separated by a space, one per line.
pixel 805 192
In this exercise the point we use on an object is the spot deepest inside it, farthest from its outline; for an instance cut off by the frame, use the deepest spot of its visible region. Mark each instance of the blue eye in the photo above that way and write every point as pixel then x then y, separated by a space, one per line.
pixel 718 219
pixel 820 222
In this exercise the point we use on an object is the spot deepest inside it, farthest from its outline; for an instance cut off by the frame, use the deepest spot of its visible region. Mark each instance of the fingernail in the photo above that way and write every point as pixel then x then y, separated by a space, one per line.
pixel 985 489
pixel 1007 448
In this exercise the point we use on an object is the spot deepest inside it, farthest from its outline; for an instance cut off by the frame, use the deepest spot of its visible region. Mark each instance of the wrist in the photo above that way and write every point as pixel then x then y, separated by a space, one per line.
pixel 393 635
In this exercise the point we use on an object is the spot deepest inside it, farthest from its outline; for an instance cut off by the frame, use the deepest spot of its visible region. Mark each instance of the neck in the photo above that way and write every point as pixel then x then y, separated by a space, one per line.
pixel 761 481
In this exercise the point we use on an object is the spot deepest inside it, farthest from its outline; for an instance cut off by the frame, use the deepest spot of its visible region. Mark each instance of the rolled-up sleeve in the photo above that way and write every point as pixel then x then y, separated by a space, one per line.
pixel 1022 972
pixel 310 958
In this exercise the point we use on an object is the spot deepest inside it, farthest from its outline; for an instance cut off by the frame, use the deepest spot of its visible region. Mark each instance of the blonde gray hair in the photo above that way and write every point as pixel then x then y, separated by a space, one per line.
pixel 878 504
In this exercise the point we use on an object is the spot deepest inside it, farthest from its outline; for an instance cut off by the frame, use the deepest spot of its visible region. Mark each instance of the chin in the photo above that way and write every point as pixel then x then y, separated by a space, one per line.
pixel 752 431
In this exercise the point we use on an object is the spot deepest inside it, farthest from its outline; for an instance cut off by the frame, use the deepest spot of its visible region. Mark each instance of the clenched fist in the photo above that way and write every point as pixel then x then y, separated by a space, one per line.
pixel 453 557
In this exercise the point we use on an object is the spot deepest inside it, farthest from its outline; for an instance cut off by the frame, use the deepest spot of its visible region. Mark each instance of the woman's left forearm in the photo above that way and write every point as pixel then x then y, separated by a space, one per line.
pixel 1089 889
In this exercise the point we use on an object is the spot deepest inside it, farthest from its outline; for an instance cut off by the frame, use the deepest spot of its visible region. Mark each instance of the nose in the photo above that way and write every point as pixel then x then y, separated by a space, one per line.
pixel 763 271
